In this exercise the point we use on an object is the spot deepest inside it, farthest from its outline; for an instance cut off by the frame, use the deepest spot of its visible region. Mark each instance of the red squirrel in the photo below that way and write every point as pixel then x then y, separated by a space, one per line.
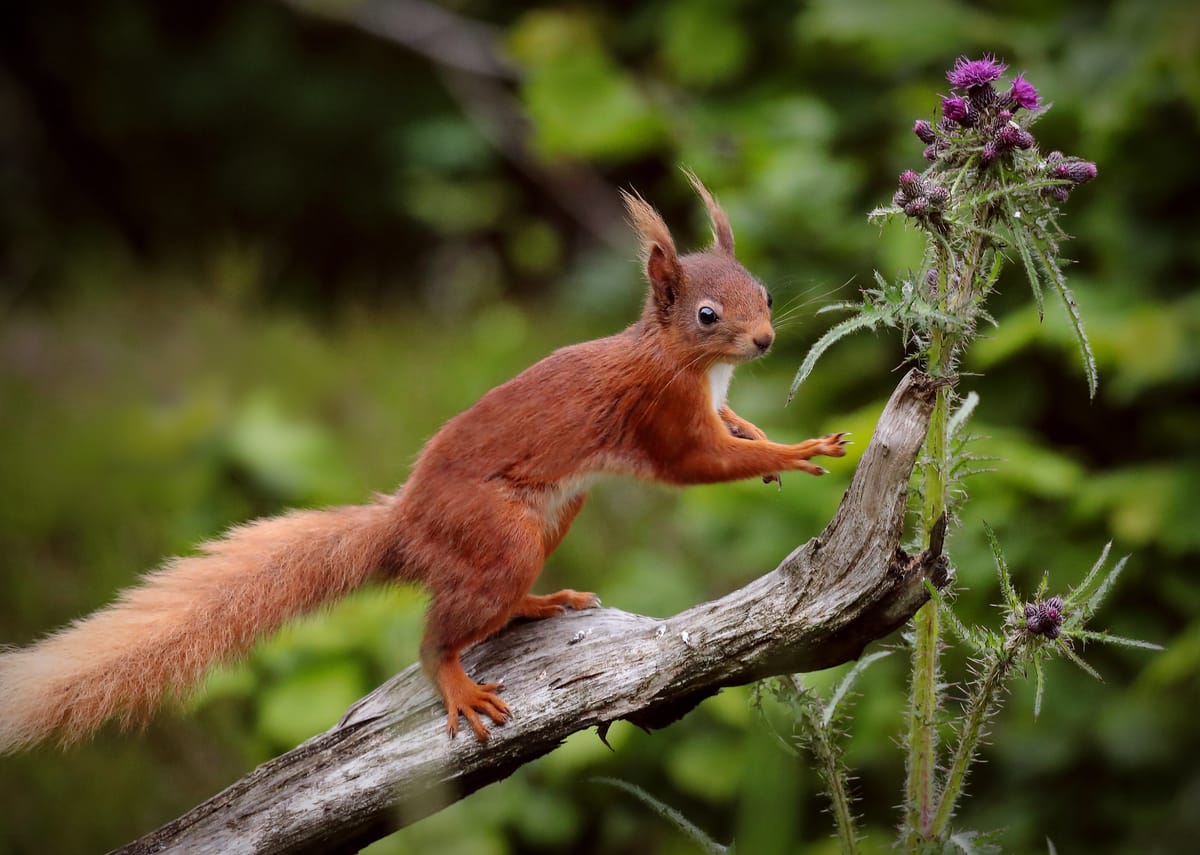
pixel 490 496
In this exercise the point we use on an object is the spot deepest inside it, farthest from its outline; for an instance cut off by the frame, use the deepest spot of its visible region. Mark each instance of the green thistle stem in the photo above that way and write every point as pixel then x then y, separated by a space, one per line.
pixel 922 733
pixel 833 772
pixel 982 703
pixel 921 787
pixel 923 701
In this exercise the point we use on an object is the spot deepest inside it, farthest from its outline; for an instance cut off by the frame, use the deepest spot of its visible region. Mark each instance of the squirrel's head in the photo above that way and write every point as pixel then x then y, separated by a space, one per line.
pixel 704 302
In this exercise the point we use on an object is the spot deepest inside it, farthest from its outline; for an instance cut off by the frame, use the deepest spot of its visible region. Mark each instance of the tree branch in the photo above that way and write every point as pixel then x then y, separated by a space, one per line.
pixel 388 762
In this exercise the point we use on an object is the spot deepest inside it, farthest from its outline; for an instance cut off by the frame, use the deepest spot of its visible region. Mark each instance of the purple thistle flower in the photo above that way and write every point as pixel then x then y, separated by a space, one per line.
pixel 1077 171
pixel 1059 194
pixel 918 207
pixel 975 72
pixel 931 151
pixel 1023 93
pixel 955 108
pixel 924 131
pixel 990 151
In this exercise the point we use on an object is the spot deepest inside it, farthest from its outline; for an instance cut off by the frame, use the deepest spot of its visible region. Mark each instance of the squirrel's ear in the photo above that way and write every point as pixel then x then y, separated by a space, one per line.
pixel 722 232
pixel 658 248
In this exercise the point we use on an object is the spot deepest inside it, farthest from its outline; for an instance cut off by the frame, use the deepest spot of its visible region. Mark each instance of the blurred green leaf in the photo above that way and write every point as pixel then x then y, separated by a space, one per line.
pixel 691 767
pixel 308 701
pixel 612 121
pixel 703 43
pixel 290 458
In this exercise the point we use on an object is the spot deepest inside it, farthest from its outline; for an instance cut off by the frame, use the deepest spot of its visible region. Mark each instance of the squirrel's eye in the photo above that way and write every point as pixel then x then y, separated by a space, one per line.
pixel 770 301
pixel 707 315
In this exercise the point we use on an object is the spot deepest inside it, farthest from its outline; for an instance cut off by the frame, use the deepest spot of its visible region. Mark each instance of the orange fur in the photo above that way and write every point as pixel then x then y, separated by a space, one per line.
pixel 490 497
pixel 165 634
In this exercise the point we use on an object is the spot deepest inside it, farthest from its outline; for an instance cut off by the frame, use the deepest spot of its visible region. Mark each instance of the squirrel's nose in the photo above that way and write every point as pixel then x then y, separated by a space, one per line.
pixel 764 341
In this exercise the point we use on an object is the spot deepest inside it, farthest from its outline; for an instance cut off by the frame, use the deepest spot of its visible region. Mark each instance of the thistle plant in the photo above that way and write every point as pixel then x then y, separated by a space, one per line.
pixel 986 195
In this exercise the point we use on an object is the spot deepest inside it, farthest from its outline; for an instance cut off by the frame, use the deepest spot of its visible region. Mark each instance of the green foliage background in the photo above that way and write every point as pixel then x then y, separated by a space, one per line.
pixel 251 257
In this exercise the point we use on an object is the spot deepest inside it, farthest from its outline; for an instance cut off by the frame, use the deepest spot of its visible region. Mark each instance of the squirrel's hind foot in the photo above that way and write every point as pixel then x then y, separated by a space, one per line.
pixel 464 697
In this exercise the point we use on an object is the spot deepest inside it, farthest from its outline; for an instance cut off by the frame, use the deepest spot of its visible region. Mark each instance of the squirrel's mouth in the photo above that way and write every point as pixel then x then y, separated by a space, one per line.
pixel 753 350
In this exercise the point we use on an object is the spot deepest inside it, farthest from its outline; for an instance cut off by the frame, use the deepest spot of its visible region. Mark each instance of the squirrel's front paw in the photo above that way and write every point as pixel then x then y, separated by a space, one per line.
pixel 833 445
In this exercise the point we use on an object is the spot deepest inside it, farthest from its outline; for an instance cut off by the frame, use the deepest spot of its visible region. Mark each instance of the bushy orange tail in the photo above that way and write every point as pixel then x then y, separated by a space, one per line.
pixel 163 635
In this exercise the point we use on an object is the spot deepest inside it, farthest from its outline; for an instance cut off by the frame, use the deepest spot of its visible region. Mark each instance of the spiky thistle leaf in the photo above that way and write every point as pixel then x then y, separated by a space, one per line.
pixel 1032 272
pixel 866 319
pixel 964 412
pixel 668 813
pixel 1097 598
pixel 1006 586
pixel 847 682
pixel 1120 640
pixel 1076 597
pixel 1067 651
pixel 1055 276
pixel 1039 686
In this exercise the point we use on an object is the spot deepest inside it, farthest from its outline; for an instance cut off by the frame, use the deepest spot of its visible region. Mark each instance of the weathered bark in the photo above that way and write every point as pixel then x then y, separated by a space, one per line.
pixel 389 761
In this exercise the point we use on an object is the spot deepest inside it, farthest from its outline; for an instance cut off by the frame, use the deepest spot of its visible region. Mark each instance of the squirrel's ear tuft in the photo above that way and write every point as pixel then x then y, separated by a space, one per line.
pixel 722 232
pixel 658 248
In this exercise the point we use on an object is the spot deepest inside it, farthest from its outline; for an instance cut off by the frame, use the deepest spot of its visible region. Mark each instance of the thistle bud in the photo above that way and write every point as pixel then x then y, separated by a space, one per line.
pixel 938 195
pixel 1033 618
pixel 1014 136
pixel 982 97
pixel 924 131
pixel 1007 136
pixel 917 207
pixel 911 183
pixel 1045 618
pixel 1077 171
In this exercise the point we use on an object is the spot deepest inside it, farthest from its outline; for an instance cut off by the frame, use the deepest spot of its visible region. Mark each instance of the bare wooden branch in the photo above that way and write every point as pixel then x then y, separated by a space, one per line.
pixel 389 761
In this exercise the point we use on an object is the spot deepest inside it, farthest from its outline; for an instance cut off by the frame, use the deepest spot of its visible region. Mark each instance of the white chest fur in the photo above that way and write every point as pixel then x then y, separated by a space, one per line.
pixel 718 383
pixel 558 497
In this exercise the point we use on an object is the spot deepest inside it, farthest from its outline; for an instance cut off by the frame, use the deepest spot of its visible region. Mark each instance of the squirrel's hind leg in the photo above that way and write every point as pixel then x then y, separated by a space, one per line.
pixel 469 603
